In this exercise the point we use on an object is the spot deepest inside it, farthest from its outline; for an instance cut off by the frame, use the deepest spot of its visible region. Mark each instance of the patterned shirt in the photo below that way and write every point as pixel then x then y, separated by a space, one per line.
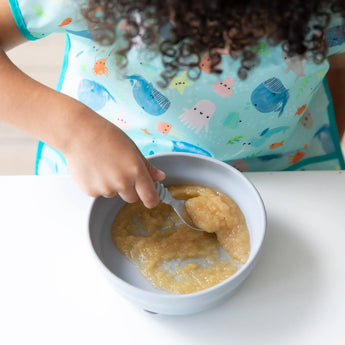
pixel 280 118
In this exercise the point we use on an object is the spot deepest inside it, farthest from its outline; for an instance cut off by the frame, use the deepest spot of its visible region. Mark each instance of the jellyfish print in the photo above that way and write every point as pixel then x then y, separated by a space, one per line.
pixel 167 129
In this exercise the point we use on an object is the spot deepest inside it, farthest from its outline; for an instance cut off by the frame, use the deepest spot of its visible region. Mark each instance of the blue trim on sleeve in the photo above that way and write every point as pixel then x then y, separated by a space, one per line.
pixel 58 88
pixel 333 127
pixel 38 155
pixel 64 64
pixel 17 14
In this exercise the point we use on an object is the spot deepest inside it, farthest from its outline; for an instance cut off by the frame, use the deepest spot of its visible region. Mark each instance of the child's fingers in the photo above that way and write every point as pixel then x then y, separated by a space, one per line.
pixel 156 174
pixel 146 191
pixel 129 195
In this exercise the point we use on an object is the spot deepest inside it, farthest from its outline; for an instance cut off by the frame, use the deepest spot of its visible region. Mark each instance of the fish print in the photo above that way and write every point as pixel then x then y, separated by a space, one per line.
pixel 270 96
pixel 300 110
pixel 223 88
pixel 147 97
pixel 146 131
pixel 65 22
pixel 94 95
pixel 266 134
pixel 276 145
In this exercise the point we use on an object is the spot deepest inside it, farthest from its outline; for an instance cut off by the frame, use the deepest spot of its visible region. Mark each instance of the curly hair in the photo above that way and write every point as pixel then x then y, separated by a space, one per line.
pixel 215 27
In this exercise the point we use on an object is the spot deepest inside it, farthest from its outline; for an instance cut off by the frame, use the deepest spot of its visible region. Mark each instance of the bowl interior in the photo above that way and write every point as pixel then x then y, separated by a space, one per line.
pixel 179 168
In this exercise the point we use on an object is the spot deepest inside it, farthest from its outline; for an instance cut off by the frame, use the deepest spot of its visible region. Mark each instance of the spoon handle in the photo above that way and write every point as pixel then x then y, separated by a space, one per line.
pixel 165 196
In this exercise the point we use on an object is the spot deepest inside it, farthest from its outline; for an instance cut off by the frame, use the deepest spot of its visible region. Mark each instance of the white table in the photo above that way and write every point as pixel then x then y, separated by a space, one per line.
pixel 52 291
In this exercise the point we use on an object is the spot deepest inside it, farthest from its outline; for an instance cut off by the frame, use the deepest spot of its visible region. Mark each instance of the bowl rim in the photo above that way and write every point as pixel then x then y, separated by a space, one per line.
pixel 161 294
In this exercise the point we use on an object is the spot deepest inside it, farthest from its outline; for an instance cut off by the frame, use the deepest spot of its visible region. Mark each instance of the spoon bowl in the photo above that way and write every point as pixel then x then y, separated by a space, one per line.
pixel 178 205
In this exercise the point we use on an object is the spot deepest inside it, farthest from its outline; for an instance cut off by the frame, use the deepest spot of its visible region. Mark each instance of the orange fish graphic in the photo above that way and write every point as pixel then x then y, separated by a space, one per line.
pixel 275 145
pixel 65 22
pixel 146 131
pixel 300 110
pixel 296 157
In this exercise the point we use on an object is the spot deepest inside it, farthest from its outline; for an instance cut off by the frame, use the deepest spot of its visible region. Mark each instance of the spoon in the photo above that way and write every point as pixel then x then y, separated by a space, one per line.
pixel 178 205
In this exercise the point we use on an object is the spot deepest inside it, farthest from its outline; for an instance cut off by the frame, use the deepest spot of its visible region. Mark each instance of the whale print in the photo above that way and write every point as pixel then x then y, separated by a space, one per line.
pixel 160 146
pixel 147 97
pixel 223 88
pixel 232 120
pixel 199 116
pixel 325 137
pixel 81 33
pixel 269 96
pixel 94 95
pixel 335 36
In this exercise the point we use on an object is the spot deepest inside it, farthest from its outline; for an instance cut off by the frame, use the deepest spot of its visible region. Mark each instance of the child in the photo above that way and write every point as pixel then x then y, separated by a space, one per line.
pixel 241 81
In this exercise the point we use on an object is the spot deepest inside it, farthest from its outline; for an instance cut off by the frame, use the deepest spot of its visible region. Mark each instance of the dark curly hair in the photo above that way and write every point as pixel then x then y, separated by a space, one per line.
pixel 200 26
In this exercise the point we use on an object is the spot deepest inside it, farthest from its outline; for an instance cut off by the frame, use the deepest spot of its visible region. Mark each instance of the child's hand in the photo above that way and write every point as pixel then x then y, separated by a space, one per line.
pixel 104 161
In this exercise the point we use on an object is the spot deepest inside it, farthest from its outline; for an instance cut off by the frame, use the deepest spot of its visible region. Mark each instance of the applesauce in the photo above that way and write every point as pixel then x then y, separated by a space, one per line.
pixel 175 258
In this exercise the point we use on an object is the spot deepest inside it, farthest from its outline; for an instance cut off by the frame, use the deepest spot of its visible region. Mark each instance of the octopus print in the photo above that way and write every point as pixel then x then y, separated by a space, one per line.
pixel 199 116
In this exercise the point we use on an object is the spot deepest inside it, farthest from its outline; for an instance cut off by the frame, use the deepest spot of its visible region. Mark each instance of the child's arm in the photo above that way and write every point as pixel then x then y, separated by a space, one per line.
pixel 100 157
pixel 336 83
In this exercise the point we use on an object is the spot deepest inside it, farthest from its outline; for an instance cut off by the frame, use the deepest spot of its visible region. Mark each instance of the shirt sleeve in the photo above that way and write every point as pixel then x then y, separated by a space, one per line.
pixel 335 35
pixel 37 19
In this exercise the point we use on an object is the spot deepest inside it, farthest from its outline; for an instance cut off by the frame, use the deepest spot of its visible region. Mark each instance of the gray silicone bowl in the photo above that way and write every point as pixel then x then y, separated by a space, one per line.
pixel 180 168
